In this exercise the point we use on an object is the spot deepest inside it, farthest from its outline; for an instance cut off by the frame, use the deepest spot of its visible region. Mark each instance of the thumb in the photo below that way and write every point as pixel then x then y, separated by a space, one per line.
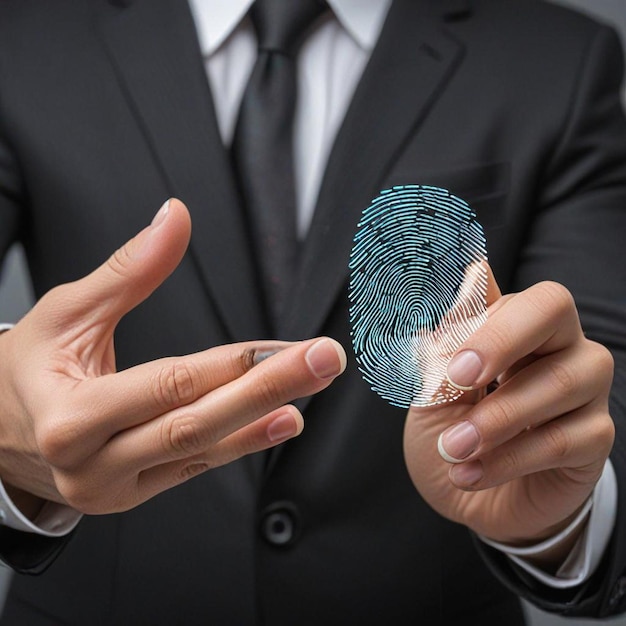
pixel 136 269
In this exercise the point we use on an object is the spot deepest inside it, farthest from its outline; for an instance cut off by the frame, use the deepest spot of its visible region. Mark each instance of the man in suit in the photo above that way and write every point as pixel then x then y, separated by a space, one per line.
pixel 105 109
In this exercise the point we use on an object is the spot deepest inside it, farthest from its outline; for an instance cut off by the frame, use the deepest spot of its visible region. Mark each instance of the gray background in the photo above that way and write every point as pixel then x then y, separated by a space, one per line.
pixel 16 295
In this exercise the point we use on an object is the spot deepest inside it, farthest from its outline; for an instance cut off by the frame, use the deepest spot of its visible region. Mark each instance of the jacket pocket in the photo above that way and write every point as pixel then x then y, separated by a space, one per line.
pixel 484 186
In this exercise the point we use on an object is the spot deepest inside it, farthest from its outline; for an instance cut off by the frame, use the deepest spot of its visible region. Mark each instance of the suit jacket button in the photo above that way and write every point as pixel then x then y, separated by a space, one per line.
pixel 280 524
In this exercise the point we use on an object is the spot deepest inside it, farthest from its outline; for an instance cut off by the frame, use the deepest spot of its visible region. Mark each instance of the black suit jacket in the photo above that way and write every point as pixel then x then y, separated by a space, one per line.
pixel 105 111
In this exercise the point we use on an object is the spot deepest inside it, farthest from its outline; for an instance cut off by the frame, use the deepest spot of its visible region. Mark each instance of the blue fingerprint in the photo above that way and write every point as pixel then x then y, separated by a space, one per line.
pixel 418 285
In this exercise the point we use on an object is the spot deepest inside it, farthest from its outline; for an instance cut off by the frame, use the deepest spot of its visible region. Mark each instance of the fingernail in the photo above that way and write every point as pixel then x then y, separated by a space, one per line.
pixel 283 427
pixel 161 214
pixel 467 474
pixel 261 355
pixel 464 369
pixel 458 442
pixel 326 358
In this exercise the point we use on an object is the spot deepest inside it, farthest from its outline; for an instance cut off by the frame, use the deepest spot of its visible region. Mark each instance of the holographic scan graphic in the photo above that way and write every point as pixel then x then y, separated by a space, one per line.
pixel 418 287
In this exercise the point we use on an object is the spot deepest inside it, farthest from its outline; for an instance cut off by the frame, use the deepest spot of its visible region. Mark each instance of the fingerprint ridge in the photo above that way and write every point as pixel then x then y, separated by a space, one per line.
pixel 418 285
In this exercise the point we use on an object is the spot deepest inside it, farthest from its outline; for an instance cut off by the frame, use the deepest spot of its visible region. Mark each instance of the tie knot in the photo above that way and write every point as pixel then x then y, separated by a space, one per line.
pixel 281 24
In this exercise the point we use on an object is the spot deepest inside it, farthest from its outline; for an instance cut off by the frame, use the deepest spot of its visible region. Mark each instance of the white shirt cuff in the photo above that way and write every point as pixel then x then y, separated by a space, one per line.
pixel 54 519
pixel 586 554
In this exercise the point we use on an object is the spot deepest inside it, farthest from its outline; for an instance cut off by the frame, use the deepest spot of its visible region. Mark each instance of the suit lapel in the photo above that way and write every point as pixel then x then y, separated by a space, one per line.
pixel 409 67
pixel 153 47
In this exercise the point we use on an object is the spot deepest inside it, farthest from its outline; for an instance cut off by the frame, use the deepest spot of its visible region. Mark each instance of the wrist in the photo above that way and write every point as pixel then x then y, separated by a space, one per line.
pixel 551 546
pixel 593 527
pixel 553 552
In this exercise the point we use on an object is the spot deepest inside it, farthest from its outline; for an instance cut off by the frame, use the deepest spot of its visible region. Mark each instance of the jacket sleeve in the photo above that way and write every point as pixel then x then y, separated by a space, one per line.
pixel 23 552
pixel 577 238
pixel 11 195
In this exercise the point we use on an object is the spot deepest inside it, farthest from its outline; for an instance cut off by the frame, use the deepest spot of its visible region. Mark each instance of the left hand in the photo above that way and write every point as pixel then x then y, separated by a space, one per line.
pixel 523 459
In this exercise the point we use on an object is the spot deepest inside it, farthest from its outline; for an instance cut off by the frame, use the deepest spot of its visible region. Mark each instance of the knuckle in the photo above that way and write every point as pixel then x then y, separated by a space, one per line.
pixel 607 435
pixel 191 470
pixel 246 442
pixel 604 363
pixel 602 435
pixel 55 442
pixel 553 298
pixel 120 261
pixel 81 495
pixel 501 338
pixel 174 385
pixel 558 440
pixel 181 437
pixel 71 494
pixel 50 444
pixel 54 304
pixel 247 359
pixel 78 500
pixel 563 378
pixel 58 294
pixel 499 414
pixel 510 464
pixel 267 393
pixel 598 441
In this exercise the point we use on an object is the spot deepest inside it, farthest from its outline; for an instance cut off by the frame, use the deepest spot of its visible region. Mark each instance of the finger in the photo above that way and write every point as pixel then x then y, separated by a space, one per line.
pixel 269 431
pixel 434 348
pixel 478 282
pixel 540 320
pixel 104 406
pixel 107 486
pixel 299 371
pixel 125 399
pixel 577 444
pixel 545 389
pixel 133 272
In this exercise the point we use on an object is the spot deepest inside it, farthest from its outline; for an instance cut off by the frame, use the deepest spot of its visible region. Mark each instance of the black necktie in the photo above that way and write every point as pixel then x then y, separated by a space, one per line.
pixel 263 144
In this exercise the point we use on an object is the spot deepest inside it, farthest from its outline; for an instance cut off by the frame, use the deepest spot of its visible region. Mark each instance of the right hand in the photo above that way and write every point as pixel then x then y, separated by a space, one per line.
pixel 74 430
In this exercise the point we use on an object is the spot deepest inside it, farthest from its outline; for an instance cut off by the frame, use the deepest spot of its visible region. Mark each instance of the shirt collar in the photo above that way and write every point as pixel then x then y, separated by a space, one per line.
pixel 217 19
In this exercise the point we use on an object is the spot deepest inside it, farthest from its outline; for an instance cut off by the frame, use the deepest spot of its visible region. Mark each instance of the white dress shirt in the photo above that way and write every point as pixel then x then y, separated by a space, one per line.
pixel 330 64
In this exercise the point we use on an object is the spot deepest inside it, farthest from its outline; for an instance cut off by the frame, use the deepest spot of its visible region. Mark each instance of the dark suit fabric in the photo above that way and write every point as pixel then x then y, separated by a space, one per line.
pixel 105 111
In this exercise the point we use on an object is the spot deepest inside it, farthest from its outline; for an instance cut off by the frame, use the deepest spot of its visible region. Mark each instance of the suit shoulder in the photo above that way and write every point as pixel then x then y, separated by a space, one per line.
pixel 34 31
pixel 536 36
pixel 32 16
pixel 24 10
pixel 539 20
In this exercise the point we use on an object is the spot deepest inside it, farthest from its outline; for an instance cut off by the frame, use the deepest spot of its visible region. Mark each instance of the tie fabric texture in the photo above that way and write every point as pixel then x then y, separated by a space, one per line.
pixel 263 144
